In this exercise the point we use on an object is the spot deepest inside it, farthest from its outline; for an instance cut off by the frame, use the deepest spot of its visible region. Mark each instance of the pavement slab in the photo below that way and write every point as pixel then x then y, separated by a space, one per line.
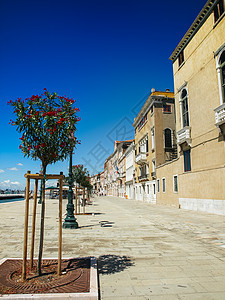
pixel 144 251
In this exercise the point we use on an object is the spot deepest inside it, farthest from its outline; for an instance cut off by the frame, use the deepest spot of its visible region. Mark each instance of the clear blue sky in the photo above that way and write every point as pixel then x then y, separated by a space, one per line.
pixel 106 54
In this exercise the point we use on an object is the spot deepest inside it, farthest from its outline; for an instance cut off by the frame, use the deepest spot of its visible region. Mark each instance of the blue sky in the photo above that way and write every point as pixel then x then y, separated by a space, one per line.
pixel 105 54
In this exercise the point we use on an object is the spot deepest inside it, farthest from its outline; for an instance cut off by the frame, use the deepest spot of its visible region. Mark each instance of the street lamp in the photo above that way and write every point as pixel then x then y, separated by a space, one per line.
pixel 70 221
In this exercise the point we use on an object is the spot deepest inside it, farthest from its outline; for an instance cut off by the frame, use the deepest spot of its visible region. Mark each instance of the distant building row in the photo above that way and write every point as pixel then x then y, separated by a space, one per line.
pixel 178 155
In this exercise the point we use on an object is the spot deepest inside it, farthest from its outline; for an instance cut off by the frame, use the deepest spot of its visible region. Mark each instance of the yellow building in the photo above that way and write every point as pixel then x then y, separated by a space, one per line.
pixel 196 179
pixel 155 141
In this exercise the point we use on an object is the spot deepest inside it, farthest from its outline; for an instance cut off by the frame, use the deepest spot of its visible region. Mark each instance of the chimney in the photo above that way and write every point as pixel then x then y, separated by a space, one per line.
pixel 152 90
pixel 167 90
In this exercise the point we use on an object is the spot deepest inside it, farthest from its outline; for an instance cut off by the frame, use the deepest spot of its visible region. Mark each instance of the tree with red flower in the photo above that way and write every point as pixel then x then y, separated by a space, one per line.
pixel 47 123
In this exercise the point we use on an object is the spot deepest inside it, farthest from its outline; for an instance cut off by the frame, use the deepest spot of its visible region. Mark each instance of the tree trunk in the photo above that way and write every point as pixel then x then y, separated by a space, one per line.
pixel 42 222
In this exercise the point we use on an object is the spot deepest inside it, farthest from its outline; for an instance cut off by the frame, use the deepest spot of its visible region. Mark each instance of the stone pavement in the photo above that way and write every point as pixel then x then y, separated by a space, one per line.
pixel 144 251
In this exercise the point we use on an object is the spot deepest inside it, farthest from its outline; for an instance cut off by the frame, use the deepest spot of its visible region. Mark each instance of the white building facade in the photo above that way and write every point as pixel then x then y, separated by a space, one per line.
pixel 130 169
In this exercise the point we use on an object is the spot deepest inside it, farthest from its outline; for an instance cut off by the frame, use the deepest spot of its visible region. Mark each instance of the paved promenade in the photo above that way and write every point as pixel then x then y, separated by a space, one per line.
pixel 145 251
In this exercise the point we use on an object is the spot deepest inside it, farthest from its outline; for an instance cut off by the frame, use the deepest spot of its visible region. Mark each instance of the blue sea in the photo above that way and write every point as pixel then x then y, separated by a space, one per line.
pixel 11 200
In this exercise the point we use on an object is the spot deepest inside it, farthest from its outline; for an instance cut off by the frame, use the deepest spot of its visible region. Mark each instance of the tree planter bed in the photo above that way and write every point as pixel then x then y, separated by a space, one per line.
pixel 78 279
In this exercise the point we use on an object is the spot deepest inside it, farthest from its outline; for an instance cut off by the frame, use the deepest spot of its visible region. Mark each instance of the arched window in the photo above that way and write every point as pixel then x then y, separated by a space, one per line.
pixel 168 138
pixel 185 114
pixel 222 72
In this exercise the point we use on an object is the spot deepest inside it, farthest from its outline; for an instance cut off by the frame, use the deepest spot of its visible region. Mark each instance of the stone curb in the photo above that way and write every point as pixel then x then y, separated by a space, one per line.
pixel 92 295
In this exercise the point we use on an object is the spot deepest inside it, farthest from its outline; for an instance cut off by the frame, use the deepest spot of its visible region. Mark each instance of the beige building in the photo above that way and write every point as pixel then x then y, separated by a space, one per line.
pixel 155 142
pixel 196 179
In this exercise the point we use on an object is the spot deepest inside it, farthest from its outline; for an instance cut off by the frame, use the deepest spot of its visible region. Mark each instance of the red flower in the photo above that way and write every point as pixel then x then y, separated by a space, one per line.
pixel 20 146
pixel 29 148
pixel 37 146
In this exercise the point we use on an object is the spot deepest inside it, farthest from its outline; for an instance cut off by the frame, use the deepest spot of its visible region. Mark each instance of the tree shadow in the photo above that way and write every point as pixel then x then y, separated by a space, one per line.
pixel 111 264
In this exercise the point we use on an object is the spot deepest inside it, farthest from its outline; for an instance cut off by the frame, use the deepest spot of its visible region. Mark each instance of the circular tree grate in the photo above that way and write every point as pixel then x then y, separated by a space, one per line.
pixel 75 277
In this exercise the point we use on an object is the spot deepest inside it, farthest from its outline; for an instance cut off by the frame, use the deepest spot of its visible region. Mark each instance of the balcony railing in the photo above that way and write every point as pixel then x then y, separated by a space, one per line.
pixel 184 135
pixel 143 177
pixel 220 115
pixel 141 158
pixel 153 174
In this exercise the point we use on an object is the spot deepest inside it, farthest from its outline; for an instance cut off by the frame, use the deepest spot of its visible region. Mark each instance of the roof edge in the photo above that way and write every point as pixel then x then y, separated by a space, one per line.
pixel 196 25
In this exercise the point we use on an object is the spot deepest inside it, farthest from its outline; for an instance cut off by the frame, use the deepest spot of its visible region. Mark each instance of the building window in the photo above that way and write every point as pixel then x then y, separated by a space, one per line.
pixel 153 166
pixel 153 138
pixel 140 189
pixel 164 185
pixel 151 109
pixel 181 57
pixel 147 146
pixel 158 186
pixel 218 10
pixel 185 113
pixel 148 189
pixel 153 188
pixel 222 72
pixel 166 108
pixel 168 138
pixel 147 169
pixel 187 160
pixel 142 122
pixel 175 183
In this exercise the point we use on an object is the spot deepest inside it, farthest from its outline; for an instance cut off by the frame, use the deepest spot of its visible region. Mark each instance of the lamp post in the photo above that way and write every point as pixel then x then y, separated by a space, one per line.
pixel 70 221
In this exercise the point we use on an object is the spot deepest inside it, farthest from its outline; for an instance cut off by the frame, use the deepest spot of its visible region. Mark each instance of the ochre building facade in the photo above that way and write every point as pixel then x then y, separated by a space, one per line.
pixel 196 179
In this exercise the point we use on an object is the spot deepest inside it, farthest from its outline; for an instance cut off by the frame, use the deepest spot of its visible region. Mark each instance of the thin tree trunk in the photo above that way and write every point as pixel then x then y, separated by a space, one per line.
pixel 42 223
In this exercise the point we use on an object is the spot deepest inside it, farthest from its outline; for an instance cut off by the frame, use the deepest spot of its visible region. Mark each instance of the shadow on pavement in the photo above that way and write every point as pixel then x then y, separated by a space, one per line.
pixel 110 264
pixel 101 223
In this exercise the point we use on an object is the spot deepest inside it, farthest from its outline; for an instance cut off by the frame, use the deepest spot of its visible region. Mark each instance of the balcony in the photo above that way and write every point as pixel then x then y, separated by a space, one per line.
pixel 153 174
pixel 143 177
pixel 141 158
pixel 121 175
pixel 184 135
pixel 220 115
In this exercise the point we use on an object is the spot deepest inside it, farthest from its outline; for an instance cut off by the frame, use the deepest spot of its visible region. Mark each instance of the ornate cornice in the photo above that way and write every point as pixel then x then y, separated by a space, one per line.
pixel 196 25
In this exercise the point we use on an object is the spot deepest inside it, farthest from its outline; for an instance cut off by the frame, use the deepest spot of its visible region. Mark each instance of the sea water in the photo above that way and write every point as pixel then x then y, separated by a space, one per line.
pixel 11 200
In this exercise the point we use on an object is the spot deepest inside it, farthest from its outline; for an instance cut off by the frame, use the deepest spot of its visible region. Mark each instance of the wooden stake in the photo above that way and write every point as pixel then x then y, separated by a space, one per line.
pixel 26 229
pixel 33 224
pixel 60 226
pixel 83 201
pixel 79 202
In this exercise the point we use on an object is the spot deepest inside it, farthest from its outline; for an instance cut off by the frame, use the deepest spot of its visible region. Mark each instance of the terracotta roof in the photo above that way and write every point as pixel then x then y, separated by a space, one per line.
pixel 127 141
